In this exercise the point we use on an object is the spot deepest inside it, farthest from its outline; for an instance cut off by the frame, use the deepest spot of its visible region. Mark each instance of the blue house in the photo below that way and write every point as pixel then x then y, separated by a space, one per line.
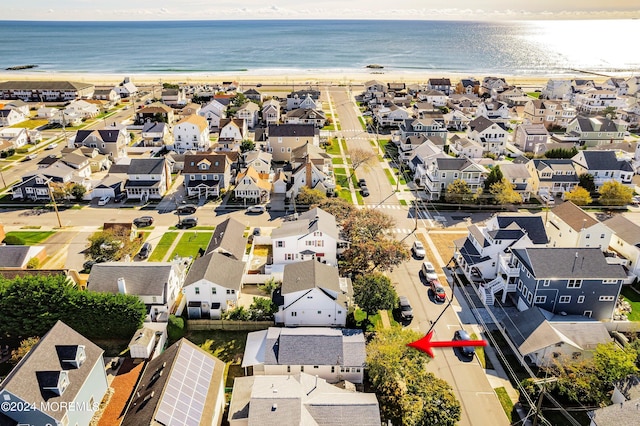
pixel 61 381
pixel 572 281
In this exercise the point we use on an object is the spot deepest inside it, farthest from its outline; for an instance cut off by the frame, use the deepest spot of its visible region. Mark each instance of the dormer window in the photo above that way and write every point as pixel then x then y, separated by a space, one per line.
pixel 53 381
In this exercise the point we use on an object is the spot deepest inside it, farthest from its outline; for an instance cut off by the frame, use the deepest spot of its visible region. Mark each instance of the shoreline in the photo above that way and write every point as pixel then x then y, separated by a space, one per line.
pixel 290 76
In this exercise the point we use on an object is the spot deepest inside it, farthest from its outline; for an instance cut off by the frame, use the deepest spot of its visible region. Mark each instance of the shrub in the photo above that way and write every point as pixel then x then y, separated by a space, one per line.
pixel 13 240
pixel 33 263
pixel 175 328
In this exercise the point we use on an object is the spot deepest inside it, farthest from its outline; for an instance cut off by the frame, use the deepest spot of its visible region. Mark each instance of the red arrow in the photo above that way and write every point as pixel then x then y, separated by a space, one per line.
pixel 425 344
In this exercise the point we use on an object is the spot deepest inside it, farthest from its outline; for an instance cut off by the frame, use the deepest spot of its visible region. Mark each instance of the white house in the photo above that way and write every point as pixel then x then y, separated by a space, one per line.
pixel 465 147
pixel 191 133
pixel 10 116
pixel 312 294
pixel 232 132
pixel 333 354
pixel 489 134
pixel 213 285
pixel 148 178
pixel 82 108
pixel 259 160
pixel 391 116
pixel 249 113
pixel 126 88
pixel 625 241
pixel 251 186
pixel 157 284
pixel 493 110
pixel 570 226
pixel 213 112
pixel 314 235
pixel 271 112
pixel 604 166
pixel 557 89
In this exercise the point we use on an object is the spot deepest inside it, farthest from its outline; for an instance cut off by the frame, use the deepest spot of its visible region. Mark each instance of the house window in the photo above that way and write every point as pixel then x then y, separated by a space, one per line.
pixel 601 236
pixel 154 299
pixel 333 369
pixel 315 366
pixel 541 299
pixel 610 281
pixel 574 284
pixel 545 283
pixel 564 299
pixel 339 312
pixel 302 368
pixel 588 236
pixel 230 291
pixel 294 314
pixel 319 312
pixel 280 244
pixel 587 314
pixel 288 369
pixel 197 289
pixel 529 297
pixel 213 290
pixel 606 298
pixel 580 299
pixel 520 285
pixel 288 256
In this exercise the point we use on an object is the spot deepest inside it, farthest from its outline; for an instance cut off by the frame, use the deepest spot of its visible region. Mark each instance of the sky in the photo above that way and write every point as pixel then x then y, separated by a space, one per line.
pixel 124 10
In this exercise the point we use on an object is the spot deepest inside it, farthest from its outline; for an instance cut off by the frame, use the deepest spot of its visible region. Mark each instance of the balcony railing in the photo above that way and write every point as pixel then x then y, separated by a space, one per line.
pixel 507 268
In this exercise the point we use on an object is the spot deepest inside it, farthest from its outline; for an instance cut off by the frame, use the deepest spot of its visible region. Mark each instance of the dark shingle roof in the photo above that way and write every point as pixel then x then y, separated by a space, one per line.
pixel 44 85
pixel 307 223
pixel 480 123
pixel 217 268
pixel 106 135
pixel 228 238
pixel 291 130
pixel 142 279
pixel 604 160
pixel 218 163
pixel 532 225
pixel 146 166
pixel 569 262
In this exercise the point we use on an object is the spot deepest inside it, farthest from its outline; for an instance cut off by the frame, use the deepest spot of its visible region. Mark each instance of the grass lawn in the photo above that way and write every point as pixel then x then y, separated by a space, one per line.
pixel 336 160
pixel 634 300
pixel 228 346
pixel 31 238
pixel 263 251
pixel 34 123
pixel 191 243
pixel 403 202
pixel 345 194
pixel 329 127
pixel 392 181
pixel 480 352
pixel 342 180
pixel 505 401
pixel 334 147
pixel 374 320
pixel 534 95
pixel 362 123
pixel 163 246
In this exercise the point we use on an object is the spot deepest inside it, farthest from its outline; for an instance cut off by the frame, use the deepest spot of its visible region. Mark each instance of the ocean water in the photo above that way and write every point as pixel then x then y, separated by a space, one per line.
pixel 280 47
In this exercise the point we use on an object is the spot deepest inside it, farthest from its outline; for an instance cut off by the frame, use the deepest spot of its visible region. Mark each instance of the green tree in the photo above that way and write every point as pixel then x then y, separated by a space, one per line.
pixel 609 112
pixel 309 196
pixel 494 176
pixel 269 286
pixel 504 193
pixel 262 309
pixel 613 193
pixel 23 349
pixel 561 153
pixel 408 394
pixel 579 196
pixel 247 145
pixel 374 292
pixel 175 328
pixel 105 246
pixel 159 117
pixel 458 192
pixel 239 313
pixel 587 182
pixel 238 100
pixel 613 363
pixel 77 191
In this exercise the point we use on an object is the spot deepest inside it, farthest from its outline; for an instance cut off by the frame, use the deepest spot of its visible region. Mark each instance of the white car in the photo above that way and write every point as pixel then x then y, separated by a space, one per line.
pixel 256 209
pixel 103 201
pixel 418 250
pixel 52 146
pixel 429 271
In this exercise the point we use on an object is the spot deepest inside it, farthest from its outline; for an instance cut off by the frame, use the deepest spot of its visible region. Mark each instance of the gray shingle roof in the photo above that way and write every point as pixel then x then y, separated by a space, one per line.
pixel 307 223
pixel 228 238
pixel 217 268
pixel 561 262
pixel 106 135
pixel 291 130
pixel 43 85
pixel 314 346
pixel 141 279
pixel 604 160
pixel 146 166
pixel 13 256
pixel 23 382
pixel 625 229
pixel 305 275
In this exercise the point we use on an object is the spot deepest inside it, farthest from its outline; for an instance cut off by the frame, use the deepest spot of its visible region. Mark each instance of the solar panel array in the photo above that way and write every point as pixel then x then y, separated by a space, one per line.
pixel 186 390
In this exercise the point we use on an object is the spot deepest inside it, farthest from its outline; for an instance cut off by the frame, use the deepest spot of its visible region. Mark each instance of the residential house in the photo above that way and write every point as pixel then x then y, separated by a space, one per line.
pixel 513 96
pixel 570 226
pixel 529 136
pixel 496 111
pixel 16 137
pixel 557 89
pixel 148 179
pixel 479 254
pixel 46 112
pixel 174 97
pixel 10 116
pixel 619 413
pixel 309 174
pixel 312 294
pixel 154 112
pixel 126 88
pixel 549 113
pixel 157 284
pixel 232 132
pixel 292 399
pixel 19 105
pixel 441 84
pixel 552 176
pixel 466 104
pixel 390 116
pixel 633 85
pixel 45 91
pixel 62 378
pixel 489 134
pixel 595 101
pixel 545 338
pixel 12 256
pixel 625 241
pixel 110 141
pixel 107 94
pixel 213 112
pixel 309 99
pixel 183 385
pixel 465 147
pixel 251 186
pixel 604 166
pixel 64 118
pixel 374 89
pixel 191 133
pixel 617 84
pixel 97 162
pixel 408 146
pixel 492 86
pixel 456 120
pixel 423 126
pixel 259 160
pixel 206 175
pixel 82 108
pixel 271 112
pixel 468 86
pixel 77 161
pixel 253 95
pixel 155 134
pixel 424 154
pixel 213 285
pixel 305 116
pixel 595 131
pixel 39 184
pixel 314 235
pixel 282 139
pixel 518 175
pixel 308 152
pixel 189 109
pixel 249 112
pixel 565 280
pixel 338 353
pixel 110 186
pixel 229 239
pixel 437 98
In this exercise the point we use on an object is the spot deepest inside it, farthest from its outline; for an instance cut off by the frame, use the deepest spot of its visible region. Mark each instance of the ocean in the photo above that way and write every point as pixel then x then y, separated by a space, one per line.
pixel 522 48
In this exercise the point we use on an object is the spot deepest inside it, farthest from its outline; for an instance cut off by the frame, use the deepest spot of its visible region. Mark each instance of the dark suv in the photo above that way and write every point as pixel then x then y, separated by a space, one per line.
pixel 143 221
pixel 188 222
pixel 145 251
pixel 187 209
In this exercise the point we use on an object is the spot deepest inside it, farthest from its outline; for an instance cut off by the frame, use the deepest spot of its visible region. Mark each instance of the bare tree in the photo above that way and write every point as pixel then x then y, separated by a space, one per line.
pixel 360 157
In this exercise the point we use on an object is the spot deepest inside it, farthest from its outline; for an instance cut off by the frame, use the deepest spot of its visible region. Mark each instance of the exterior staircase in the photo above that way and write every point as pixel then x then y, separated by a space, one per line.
pixel 487 291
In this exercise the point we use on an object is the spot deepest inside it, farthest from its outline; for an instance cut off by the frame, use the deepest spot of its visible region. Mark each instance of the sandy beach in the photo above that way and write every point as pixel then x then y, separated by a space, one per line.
pixel 298 78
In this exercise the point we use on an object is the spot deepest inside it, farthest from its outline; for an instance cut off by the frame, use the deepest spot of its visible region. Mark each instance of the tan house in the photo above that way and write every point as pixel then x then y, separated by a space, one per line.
pixel 284 138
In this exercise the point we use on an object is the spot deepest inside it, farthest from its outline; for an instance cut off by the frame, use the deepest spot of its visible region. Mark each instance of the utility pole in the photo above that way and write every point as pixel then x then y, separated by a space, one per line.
pixel 55 206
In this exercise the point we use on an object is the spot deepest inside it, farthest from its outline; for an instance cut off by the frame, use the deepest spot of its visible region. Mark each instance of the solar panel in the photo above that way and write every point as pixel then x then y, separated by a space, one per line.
pixel 186 391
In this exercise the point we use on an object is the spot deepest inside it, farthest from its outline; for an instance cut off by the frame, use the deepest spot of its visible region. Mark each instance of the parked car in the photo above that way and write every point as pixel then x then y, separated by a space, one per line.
pixel 188 222
pixel 429 271
pixel 103 201
pixel 120 197
pixel 256 209
pixel 364 191
pixel 187 209
pixel 362 182
pixel 143 221
pixel 145 251
pixel 439 295
pixel 465 350
pixel 418 250
pixel 256 232
pixel 31 157
pixel 546 197
pixel 52 146
pixel 406 311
